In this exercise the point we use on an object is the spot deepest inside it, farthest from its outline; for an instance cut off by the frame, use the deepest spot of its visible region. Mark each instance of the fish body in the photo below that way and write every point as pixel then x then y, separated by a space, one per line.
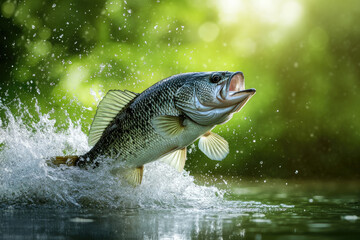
pixel 158 124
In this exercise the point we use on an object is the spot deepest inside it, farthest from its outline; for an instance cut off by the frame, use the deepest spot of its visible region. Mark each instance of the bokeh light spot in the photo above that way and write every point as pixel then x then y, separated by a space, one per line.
pixel 7 9
pixel 208 32
pixel 291 13
pixel 244 47
pixel 229 10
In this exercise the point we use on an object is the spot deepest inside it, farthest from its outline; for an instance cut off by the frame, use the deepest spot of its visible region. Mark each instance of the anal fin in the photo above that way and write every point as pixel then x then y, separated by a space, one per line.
pixel 175 159
pixel 134 175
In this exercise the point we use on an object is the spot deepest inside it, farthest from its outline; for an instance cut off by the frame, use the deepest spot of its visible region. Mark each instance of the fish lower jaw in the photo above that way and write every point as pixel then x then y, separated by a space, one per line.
pixel 231 93
pixel 250 91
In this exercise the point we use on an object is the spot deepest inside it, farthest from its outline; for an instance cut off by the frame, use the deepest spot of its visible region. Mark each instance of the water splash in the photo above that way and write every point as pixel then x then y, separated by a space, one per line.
pixel 26 179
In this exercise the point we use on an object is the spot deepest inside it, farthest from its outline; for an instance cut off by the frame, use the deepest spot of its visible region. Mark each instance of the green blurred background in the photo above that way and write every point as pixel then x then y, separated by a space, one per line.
pixel 303 57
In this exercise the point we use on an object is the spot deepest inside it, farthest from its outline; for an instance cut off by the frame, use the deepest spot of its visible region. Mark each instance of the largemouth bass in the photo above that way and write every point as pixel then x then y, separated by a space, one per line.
pixel 162 121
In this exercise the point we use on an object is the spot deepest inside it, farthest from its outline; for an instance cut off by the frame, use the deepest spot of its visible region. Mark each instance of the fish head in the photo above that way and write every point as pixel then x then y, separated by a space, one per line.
pixel 212 98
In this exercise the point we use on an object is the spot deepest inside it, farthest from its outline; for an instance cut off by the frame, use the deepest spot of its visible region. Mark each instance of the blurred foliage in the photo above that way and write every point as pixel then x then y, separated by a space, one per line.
pixel 303 57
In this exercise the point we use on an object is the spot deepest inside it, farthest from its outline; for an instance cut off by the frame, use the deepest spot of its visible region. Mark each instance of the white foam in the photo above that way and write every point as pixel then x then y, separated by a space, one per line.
pixel 25 179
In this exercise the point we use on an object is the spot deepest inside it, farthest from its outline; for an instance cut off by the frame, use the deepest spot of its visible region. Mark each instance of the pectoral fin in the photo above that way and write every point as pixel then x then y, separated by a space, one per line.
pixel 214 146
pixel 168 126
pixel 175 159
pixel 134 176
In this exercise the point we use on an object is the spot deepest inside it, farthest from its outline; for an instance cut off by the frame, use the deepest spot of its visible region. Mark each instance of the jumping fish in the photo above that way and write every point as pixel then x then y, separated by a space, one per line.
pixel 162 121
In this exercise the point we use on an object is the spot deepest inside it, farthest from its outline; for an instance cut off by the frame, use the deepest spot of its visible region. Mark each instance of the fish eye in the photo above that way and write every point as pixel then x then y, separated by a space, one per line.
pixel 215 78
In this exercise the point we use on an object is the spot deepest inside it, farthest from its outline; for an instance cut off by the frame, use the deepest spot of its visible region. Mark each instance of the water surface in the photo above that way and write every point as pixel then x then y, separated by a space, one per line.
pixel 42 202
pixel 275 210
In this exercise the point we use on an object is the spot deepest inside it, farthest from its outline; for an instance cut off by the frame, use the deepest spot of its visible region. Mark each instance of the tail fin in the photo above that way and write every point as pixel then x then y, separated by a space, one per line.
pixel 67 160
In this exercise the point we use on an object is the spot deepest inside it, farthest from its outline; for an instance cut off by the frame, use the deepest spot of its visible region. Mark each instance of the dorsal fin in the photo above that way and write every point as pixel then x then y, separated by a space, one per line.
pixel 108 108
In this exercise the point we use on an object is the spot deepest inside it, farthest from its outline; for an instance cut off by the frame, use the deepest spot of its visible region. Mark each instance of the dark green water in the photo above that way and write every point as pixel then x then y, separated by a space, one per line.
pixel 250 210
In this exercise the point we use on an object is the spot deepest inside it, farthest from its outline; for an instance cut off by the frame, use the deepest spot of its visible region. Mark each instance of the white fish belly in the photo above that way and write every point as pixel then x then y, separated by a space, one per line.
pixel 191 133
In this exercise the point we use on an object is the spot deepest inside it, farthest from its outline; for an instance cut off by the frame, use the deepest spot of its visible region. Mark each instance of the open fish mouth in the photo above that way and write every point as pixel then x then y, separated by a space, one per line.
pixel 236 85
pixel 234 93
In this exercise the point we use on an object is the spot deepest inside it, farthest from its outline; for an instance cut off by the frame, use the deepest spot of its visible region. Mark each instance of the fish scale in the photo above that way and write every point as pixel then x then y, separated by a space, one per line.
pixel 134 122
pixel 158 124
